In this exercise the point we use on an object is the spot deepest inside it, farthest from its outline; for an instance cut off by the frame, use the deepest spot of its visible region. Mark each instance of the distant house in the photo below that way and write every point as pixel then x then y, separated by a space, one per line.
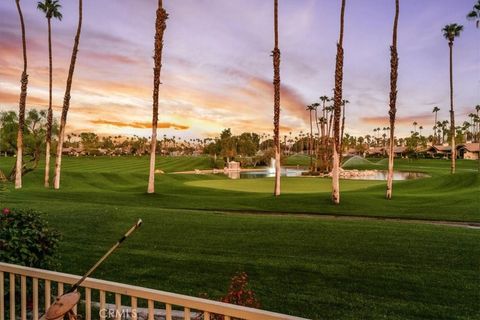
pixel 439 151
pixel 468 151
pixel 400 152
pixel 375 152
pixel 70 151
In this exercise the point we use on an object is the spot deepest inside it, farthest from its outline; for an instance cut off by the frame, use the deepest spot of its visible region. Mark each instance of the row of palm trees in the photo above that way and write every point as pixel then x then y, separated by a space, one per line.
pixel 450 32
pixel 51 9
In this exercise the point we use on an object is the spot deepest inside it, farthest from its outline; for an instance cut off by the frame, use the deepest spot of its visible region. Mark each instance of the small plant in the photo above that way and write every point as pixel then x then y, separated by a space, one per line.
pixel 239 293
pixel 26 239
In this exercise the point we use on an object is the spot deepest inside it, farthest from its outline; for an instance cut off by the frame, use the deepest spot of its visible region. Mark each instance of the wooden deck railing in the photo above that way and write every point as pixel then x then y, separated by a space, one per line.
pixel 35 289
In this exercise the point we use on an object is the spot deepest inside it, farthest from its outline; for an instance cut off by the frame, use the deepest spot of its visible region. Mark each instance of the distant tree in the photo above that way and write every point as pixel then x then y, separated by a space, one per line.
pixel 66 100
pixel 34 131
pixel 160 26
pixel 248 144
pixel 435 110
pixel 393 100
pixel 90 141
pixel 475 13
pixel 310 109
pixel 21 105
pixel 337 105
pixel 51 9
pixel 276 101
pixel 450 32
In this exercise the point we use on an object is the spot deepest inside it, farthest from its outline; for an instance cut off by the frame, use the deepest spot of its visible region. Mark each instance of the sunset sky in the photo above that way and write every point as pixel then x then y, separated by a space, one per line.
pixel 217 70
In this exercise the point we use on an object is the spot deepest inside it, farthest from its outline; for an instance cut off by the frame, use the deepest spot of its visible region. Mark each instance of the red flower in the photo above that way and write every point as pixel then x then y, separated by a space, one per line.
pixel 5 211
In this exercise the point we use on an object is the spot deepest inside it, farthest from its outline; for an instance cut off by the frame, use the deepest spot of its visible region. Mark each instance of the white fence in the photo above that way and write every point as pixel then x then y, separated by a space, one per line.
pixel 36 287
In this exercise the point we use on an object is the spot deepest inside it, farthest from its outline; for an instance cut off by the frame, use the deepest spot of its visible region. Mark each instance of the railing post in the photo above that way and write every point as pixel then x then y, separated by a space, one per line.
pixel 168 312
pixel 2 296
pixel 134 308
pixel 12 296
pixel 48 294
pixel 23 301
pixel 88 304
pixel 118 306
pixel 35 298
pixel 150 310
pixel 102 305
pixel 186 314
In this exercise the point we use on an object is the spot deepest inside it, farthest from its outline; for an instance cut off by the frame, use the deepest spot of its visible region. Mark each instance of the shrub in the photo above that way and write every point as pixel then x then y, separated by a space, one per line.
pixel 26 239
pixel 239 293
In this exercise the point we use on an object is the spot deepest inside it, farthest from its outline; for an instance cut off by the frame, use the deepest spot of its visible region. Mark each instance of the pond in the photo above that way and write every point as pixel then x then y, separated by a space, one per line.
pixel 382 175
pixel 351 174
pixel 265 173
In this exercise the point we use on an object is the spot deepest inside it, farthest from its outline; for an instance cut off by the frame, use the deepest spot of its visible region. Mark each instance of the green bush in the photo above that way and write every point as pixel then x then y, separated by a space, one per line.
pixel 26 239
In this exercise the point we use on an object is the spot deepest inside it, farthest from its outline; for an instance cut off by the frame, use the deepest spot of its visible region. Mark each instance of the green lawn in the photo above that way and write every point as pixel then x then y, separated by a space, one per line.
pixel 308 266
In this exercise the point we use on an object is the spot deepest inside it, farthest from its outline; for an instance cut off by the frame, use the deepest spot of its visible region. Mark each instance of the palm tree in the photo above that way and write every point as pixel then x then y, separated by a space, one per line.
pixel 276 101
pixel 51 8
pixel 450 32
pixel 21 105
pixel 415 126
pixel 311 108
pixel 317 140
pixel 435 110
pixel 393 100
pixel 475 13
pixel 160 26
pixel 66 100
pixel 337 103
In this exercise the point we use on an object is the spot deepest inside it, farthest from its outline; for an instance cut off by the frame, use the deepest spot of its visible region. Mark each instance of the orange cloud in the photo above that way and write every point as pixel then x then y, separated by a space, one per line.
pixel 408 120
pixel 141 125
pixel 11 98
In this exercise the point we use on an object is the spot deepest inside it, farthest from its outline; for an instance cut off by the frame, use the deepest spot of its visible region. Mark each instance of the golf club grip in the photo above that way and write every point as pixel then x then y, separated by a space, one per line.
pixel 105 256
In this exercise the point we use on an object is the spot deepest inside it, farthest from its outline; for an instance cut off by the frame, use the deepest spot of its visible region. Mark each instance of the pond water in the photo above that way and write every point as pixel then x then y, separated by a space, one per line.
pixel 382 175
pixel 292 172
pixel 267 173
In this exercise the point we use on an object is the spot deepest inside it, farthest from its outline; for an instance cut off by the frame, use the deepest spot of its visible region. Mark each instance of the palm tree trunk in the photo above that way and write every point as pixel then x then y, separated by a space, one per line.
pixel 452 115
pixel 393 100
pixel 160 26
pixel 310 149
pixel 21 106
pixel 66 100
pixel 337 102
pixel 341 134
pixel 276 100
pixel 48 138
pixel 317 140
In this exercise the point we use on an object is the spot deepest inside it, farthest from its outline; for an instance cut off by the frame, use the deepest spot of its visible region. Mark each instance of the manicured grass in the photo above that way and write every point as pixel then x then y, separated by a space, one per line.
pixel 306 266
pixel 291 185
pixel 115 181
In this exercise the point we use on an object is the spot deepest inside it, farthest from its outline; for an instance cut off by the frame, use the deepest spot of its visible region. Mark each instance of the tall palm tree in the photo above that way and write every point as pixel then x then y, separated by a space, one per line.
pixel 450 32
pixel 311 108
pixel 21 105
pixel 337 103
pixel 276 101
pixel 475 13
pixel 317 139
pixel 160 26
pixel 415 126
pixel 435 110
pixel 51 9
pixel 66 100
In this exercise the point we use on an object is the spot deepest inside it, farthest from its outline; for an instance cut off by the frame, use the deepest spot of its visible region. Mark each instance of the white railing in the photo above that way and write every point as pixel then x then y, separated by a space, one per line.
pixel 28 284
